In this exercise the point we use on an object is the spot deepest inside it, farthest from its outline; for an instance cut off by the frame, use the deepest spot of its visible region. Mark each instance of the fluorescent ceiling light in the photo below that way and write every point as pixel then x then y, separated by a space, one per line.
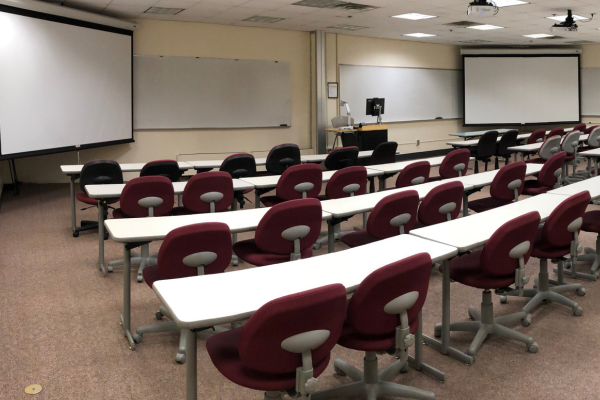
pixel 538 35
pixel 164 11
pixel 418 34
pixel 347 27
pixel 485 27
pixel 414 16
pixel 508 3
pixel 561 18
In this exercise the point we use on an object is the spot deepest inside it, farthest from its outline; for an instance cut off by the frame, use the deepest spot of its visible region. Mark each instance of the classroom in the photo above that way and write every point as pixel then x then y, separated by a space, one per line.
pixel 299 199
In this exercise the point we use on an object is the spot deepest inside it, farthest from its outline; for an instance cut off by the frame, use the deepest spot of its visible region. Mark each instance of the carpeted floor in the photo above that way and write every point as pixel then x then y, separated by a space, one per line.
pixel 60 325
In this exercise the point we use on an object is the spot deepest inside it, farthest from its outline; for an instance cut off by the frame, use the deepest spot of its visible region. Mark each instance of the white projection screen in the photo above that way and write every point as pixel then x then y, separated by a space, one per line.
pixel 511 90
pixel 64 84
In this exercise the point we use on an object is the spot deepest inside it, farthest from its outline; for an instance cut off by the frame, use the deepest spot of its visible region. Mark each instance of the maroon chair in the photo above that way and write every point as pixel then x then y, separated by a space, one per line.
pixel 207 192
pixel 383 313
pixel 384 153
pixel 548 178
pixel 591 223
pixel 147 196
pixel 556 132
pixel 550 147
pixel 455 164
pixel 97 172
pixel 537 136
pixel 285 233
pixel 198 249
pixel 341 158
pixel 167 168
pixel 501 263
pixel 393 215
pixel 240 165
pixel 346 182
pixel 580 128
pixel 441 204
pixel 285 345
pixel 558 238
pixel 297 182
pixel 414 174
pixel 506 186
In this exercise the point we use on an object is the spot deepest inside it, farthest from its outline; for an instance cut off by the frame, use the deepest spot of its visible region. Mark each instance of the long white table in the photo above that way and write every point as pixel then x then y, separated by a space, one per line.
pixel 111 191
pixel 473 142
pixel 592 185
pixel 237 295
pixel 534 147
pixel 470 233
pixel 136 231
pixel 73 172
pixel 474 134
pixel 593 154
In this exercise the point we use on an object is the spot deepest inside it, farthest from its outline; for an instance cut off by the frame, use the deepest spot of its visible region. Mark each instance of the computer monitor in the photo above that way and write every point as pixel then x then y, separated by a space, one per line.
pixel 372 108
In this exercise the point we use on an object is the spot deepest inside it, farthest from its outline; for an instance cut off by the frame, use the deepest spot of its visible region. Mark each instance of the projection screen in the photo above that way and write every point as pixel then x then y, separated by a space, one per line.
pixel 511 90
pixel 64 84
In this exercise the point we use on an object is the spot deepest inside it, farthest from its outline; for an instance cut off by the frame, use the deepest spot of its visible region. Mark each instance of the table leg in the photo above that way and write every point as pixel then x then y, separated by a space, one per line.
pixel 330 236
pixel 596 171
pixel 465 205
pixel 417 361
pixel 101 205
pixel 179 201
pixel 382 183
pixel 73 212
pixel 234 257
pixel 256 199
pixel 126 317
pixel 191 370
pixel 522 156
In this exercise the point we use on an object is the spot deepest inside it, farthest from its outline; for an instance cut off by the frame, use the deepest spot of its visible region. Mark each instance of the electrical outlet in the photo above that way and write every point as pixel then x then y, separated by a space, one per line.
pixel 418 142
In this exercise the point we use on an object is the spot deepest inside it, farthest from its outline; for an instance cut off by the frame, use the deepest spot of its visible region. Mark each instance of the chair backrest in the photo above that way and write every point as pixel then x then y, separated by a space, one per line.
pixel 441 204
pixel 594 137
pixel 147 196
pixel 341 158
pixel 384 153
pixel 368 308
pixel 290 227
pixel 300 181
pixel 508 139
pixel 281 157
pixel 455 164
pixel 556 132
pixel 261 345
pixel 240 165
pixel 197 249
pixel 552 169
pixel 579 127
pixel 509 182
pixel 550 147
pixel 537 136
pixel 414 174
pixel 340 121
pixel 486 147
pixel 393 215
pixel 208 192
pixel 100 172
pixel 570 142
pixel 347 182
pixel 513 240
pixel 167 168
pixel 565 220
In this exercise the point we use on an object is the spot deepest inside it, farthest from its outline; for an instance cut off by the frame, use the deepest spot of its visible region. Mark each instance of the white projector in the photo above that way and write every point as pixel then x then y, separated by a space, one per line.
pixel 481 10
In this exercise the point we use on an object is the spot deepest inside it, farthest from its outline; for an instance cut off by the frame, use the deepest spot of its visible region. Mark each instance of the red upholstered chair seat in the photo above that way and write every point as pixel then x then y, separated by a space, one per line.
pixel 544 250
pixel 248 251
pixel 358 238
pixel 535 161
pixel 270 201
pixel 591 221
pixel 467 270
pixel 82 197
pixel 533 187
pixel 181 211
pixel 487 203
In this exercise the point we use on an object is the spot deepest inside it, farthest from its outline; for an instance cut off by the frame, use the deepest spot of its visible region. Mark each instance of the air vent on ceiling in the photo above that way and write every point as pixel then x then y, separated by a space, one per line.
pixel 477 41
pixel 263 19
pixel 347 27
pixel 581 42
pixel 335 4
pixel 552 38
pixel 164 11
pixel 463 24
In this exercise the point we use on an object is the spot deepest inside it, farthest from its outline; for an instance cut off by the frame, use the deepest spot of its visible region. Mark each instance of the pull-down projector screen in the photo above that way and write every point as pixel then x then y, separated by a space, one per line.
pixel 510 90
pixel 64 84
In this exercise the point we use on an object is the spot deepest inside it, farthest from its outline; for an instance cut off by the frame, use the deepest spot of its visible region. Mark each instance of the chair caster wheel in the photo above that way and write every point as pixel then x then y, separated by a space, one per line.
pixel 235 263
pixel 75 234
pixel 316 246
pixel 578 312
pixel 526 321
pixel 470 316
pixel 140 278
pixel 106 236
pixel 437 332
pixel 339 371
pixel 180 358
pixel 503 299
pixel 567 265
pixel 137 338
pixel 158 315
pixel 581 292
pixel 110 268
pixel 532 348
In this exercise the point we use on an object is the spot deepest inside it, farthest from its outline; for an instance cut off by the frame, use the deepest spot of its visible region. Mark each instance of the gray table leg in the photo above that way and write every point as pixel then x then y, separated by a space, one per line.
pixel 126 317
pixel 234 257
pixel 522 156
pixel 465 205
pixel 256 199
pixel 330 237
pixel 191 369
pixel 179 201
pixel 73 212
pixel 381 183
pixel 596 171
pixel 101 206
pixel 417 361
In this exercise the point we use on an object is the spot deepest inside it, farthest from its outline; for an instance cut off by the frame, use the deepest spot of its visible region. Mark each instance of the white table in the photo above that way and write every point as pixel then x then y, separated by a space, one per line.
pixel 73 171
pixel 237 295
pixel 203 165
pixel 473 142
pixel 593 154
pixel 136 231
pixel 112 191
pixel 592 185
pixel 469 135
pixel 469 233
pixel 534 147
pixel 317 158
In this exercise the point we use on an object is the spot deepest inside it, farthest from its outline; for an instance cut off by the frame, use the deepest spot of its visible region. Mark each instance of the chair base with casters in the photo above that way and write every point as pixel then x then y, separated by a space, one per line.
pixel 589 255
pixel 143 259
pixel 485 324
pixel 543 293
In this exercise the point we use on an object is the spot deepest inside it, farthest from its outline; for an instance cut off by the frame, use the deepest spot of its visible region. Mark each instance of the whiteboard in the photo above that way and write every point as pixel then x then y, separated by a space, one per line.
pixel 193 92
pixel 590 91
pixel 411 94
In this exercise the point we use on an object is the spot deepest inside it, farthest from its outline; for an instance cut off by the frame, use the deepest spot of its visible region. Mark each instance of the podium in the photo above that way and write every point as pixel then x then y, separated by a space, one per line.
pixel 365 138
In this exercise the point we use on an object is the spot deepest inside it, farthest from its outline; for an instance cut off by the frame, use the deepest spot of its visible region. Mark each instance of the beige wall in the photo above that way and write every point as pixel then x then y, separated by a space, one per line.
pixel 201 40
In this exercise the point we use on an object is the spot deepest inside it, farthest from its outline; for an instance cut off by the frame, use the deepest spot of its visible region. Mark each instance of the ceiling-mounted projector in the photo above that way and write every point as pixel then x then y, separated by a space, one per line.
pixel 482 8
pixel 568 25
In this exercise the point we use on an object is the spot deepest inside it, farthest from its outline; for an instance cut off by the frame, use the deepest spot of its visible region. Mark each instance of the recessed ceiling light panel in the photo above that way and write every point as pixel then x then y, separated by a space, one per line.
pixel 509 3
pixel 414 16
pixel 419 34
pixel 485 27
pixel 263 19
pixel 347 27
pixel 561 18
pixel 538 36
pixel 164 11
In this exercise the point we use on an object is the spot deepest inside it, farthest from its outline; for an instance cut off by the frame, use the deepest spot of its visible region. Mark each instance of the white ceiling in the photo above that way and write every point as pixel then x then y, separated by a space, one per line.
pixel 516 20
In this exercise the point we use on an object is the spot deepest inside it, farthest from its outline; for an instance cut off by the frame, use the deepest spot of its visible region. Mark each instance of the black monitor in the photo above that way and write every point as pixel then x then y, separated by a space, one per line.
pixel 372 104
